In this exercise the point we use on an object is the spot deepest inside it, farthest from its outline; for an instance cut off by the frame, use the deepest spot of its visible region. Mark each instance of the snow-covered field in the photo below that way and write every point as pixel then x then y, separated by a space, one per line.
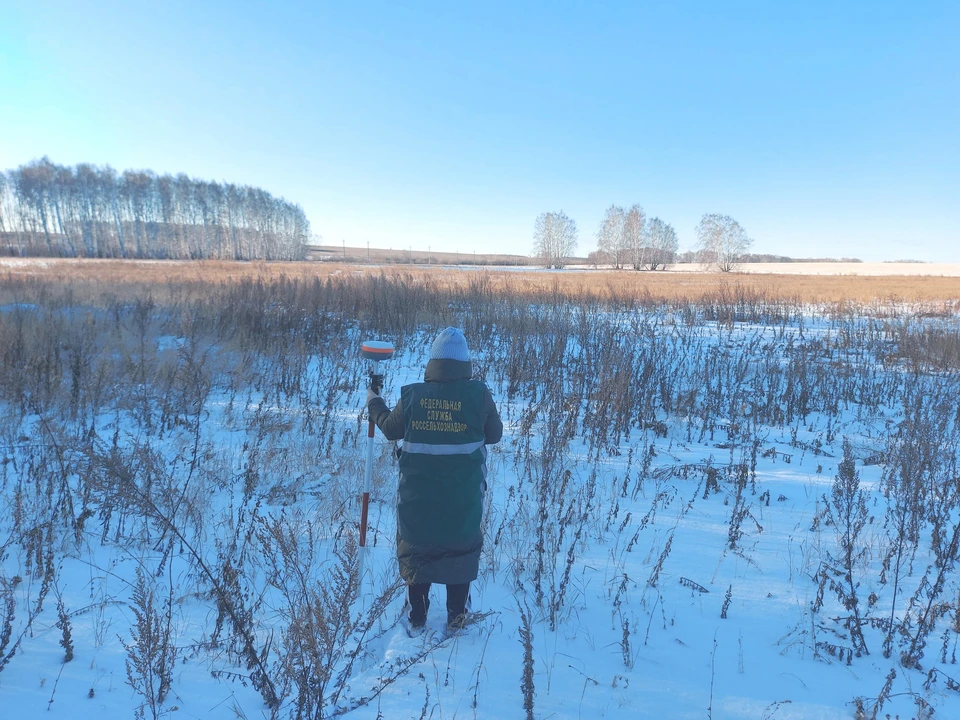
pixel 665 533
pixel 865 268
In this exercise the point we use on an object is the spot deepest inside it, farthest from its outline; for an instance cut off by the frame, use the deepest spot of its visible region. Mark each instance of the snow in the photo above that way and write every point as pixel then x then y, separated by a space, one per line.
pixel 638 629
pixel 875 269
pixel 865 269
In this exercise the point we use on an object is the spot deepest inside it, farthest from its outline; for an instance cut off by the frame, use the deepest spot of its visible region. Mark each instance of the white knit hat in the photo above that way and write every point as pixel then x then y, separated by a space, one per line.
pixel 450 345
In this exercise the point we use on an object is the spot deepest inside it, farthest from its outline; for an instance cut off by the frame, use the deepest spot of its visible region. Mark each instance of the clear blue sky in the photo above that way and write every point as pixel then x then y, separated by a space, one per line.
pixel 824 128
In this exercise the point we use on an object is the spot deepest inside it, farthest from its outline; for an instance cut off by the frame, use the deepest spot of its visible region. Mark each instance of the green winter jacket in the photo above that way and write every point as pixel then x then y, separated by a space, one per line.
pixel 445 423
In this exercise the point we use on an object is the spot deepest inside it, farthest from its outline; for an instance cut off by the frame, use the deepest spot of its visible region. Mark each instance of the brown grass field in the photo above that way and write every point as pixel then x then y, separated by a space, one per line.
pixel 125 278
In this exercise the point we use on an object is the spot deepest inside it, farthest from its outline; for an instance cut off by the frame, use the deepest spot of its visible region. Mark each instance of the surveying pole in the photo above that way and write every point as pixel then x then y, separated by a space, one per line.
pixel 374 351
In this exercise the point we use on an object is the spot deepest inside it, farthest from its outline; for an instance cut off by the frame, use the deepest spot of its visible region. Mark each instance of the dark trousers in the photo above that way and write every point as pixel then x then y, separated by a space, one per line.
pixel 456 600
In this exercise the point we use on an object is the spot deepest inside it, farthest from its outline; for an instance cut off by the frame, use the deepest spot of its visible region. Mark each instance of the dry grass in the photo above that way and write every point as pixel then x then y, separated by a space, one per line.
pixel 129 440
pixel 129 278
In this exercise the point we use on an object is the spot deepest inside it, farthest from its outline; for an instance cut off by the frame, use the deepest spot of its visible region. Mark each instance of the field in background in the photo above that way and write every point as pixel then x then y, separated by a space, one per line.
pixel 670 531
pixel 365 256
pixel 864 268
pixel 400 256
pixel 128 276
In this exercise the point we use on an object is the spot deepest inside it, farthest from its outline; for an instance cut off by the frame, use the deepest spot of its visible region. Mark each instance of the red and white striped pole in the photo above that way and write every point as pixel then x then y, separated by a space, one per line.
pixel 375 351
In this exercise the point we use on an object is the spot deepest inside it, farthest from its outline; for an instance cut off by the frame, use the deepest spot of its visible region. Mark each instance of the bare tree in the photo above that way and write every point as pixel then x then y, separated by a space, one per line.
pixel 610 236
pixel 722 241
pixel 661 243
pixel 633 224
pixel 3 206
pixel 554 238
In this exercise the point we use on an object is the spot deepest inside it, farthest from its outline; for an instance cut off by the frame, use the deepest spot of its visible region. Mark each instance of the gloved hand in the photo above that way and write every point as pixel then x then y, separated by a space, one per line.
pixel 371 394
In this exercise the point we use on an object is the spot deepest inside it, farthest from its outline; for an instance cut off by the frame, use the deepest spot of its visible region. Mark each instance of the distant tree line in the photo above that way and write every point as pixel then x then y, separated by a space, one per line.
pixel 697 256
pixel 89 211
pixel 767 258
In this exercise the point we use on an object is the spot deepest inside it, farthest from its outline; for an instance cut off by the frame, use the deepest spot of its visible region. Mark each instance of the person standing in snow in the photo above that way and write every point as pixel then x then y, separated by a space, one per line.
pixel 445 423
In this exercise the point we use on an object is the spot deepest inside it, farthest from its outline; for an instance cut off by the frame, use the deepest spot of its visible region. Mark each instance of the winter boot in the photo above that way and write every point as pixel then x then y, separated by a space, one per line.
pixel 458 607
pixel 418 602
